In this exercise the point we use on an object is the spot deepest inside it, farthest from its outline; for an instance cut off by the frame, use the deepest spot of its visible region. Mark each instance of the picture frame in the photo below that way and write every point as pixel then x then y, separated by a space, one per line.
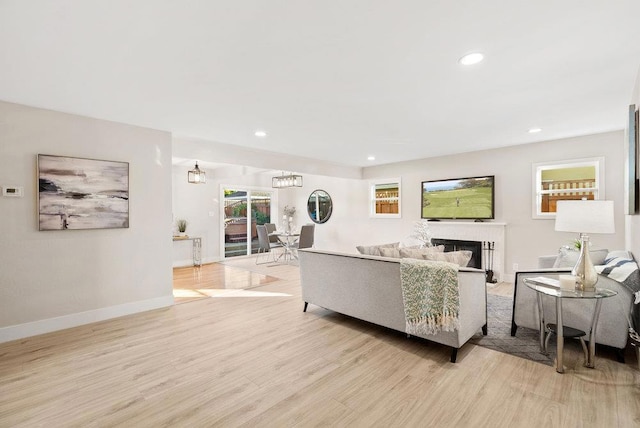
pixel 81 193
pixel 631 167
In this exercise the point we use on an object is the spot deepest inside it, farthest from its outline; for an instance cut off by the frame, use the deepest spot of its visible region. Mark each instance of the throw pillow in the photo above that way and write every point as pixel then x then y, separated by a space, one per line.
pixel 418 253
pixel 461 258
pixel 390 252
pixel 619 254
pixel 374 250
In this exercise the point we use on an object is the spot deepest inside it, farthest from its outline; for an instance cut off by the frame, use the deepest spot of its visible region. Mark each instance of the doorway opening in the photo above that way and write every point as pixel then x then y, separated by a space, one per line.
pixel 244 209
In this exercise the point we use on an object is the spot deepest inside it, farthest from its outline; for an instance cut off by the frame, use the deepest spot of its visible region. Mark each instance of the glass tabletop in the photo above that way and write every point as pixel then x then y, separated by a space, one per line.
pixel 549 290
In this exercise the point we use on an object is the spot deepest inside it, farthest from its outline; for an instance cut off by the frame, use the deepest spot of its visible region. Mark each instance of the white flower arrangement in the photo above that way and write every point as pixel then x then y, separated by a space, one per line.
pixel 422 233
pixel 287 218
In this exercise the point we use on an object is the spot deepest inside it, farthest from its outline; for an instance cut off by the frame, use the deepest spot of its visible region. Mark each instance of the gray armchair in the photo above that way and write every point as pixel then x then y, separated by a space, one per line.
pixel 613 324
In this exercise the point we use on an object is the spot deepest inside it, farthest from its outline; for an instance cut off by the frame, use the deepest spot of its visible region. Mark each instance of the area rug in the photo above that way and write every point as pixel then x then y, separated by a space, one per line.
pixel 526 342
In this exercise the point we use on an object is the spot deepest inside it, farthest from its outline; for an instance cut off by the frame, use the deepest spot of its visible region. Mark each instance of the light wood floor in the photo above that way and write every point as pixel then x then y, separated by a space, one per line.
pixel 191 283
pixel 255 359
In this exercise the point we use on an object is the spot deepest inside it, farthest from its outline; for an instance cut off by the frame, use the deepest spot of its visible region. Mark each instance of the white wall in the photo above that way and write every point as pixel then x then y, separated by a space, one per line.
pixel 199 204
pixel 526 238
pixel 57 279
pixel 225 153
pixel 349 223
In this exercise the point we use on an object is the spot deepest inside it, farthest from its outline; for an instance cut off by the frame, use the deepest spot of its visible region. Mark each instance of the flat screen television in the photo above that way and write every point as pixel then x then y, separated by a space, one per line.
pixel 469 198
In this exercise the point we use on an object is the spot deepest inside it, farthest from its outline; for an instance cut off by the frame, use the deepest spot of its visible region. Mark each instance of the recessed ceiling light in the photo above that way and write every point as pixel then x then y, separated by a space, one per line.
pixel 371 158
pixel 534 130
pixel 260 134
pixel 472 58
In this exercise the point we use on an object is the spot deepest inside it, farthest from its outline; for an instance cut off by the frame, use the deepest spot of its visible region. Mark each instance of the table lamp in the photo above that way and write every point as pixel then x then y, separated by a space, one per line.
pixel 585 217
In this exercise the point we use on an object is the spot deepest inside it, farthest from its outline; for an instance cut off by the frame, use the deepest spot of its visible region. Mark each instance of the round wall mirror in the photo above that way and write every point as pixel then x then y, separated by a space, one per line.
pixel 319 206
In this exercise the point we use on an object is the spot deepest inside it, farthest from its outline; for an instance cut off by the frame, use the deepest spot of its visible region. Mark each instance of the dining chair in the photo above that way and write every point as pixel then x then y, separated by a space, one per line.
pixel 271 227
pixel 306 236
pixel 264 246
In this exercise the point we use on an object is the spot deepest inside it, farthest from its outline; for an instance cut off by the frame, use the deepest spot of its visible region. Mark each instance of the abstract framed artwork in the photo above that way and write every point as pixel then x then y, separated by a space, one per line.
pixel 631 168
pixel 78 193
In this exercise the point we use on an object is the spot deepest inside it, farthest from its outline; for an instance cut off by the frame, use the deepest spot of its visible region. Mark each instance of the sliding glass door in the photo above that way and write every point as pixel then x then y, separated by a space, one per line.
pixel 244 209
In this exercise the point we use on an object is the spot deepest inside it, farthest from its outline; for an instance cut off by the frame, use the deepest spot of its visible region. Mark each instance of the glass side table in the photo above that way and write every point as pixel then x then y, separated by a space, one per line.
pixel 559 294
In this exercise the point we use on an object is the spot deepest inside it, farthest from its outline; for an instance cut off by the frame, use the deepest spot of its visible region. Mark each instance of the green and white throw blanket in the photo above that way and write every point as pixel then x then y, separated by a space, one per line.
pixel 431 296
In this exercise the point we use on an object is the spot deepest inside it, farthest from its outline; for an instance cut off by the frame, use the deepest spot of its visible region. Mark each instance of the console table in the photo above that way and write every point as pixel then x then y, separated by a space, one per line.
pixel 197 247
pixel 559 294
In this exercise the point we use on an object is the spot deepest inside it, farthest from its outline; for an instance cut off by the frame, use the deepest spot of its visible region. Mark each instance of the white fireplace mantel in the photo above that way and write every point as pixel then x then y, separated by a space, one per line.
pixel 476 231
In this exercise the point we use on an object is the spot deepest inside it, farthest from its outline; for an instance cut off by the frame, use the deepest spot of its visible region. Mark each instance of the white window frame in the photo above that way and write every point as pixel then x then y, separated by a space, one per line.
pixel 373 200
pixel 537 191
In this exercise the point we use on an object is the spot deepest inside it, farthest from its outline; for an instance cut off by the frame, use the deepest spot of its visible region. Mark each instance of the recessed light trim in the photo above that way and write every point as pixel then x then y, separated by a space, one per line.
pixel 535 130
pixel 471 58
pixel 260 134
pixel 371 158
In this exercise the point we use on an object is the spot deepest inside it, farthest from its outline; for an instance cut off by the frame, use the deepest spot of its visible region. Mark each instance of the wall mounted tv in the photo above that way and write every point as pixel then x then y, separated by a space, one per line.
pixel 469 198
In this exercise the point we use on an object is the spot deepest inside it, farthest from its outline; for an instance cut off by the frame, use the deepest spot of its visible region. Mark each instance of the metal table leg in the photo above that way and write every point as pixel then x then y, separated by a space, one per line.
pixel 559 336
pixel 592 336
pixel 197 251
pixel 543 348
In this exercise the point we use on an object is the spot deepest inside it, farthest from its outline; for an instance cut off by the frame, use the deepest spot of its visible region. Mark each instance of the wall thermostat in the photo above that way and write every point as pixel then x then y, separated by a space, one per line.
pixel 12 191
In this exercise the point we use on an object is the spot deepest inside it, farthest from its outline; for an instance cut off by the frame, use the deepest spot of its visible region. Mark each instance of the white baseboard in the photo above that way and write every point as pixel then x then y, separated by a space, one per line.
pixel 34 328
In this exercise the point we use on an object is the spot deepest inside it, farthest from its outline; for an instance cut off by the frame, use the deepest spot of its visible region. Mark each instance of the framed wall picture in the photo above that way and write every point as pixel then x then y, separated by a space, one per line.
pixel 631 167
pixel 78 193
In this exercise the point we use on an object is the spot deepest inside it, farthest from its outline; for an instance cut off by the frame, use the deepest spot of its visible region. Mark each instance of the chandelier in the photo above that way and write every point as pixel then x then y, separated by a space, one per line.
pixel 290 180
pixel 196 176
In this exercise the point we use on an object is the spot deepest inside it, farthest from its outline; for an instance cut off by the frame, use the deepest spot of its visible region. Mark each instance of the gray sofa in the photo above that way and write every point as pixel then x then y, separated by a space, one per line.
pixel 368 288
pixel 612 329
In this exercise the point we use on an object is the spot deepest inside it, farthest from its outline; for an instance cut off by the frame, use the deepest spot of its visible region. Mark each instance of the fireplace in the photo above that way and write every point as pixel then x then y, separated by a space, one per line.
pixel 486 231
pixel 456 245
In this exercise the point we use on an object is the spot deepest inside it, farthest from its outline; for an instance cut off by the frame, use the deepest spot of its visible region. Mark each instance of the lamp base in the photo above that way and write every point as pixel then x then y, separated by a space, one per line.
pixel 584 271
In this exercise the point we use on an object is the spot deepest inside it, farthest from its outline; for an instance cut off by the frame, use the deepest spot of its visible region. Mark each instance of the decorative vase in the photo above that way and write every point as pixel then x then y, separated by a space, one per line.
pixel 584 271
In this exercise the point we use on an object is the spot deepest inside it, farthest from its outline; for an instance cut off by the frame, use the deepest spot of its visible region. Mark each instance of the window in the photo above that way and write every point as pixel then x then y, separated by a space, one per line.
pixel 566 180
pixel 385 198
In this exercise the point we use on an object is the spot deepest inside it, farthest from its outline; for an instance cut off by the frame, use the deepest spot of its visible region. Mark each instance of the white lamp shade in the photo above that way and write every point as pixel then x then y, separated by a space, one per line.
pixel 585 217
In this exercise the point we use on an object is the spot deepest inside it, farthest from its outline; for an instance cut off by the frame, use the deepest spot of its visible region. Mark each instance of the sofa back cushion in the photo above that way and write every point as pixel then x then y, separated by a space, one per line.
pixel 568 257
pixel 410 253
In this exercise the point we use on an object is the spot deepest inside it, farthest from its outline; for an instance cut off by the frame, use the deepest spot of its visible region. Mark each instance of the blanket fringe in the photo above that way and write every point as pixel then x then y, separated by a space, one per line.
pixel 430 325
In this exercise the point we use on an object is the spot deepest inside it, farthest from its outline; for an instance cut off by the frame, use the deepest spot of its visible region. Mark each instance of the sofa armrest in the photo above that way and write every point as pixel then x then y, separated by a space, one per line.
pixel 547 261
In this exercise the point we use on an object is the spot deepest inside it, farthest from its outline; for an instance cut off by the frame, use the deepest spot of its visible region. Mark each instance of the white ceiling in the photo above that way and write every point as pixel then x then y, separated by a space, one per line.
pixel 336 80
